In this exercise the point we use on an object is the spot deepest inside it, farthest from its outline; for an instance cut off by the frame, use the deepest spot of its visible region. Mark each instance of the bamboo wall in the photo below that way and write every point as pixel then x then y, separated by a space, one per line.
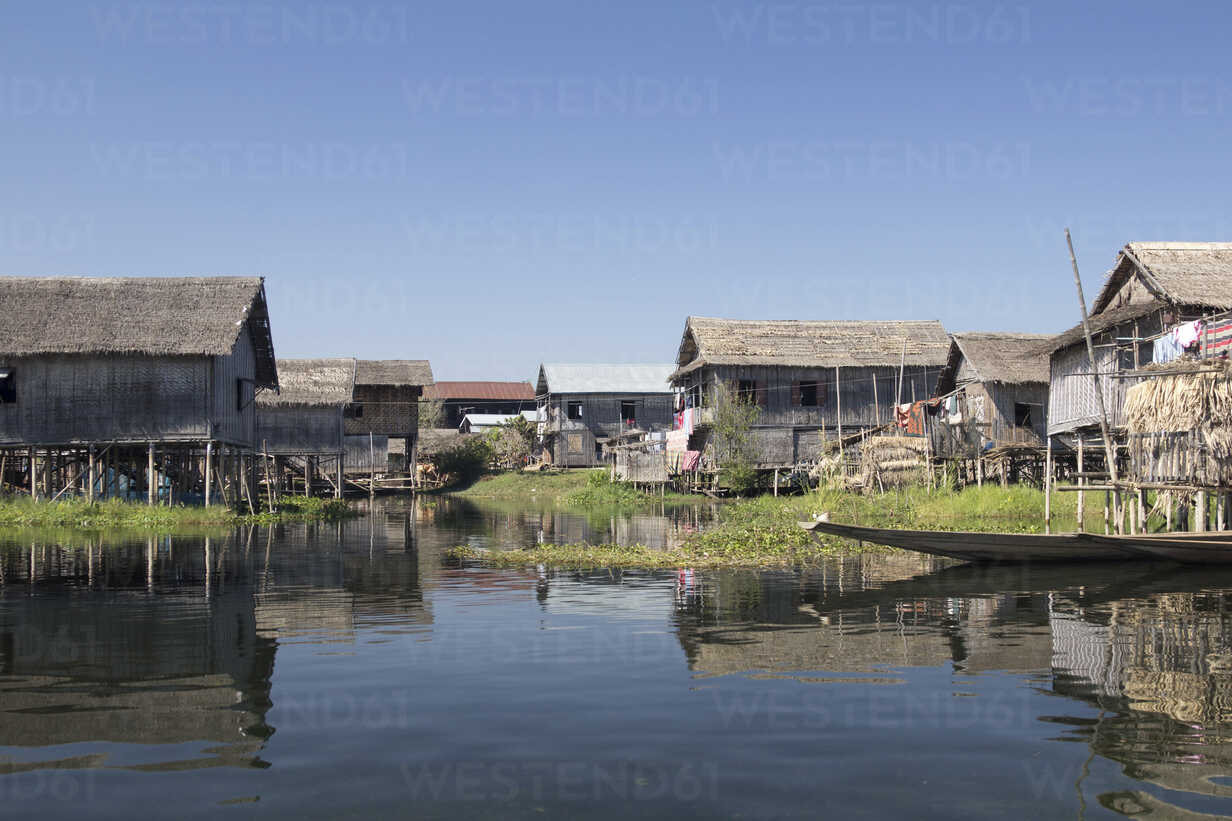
pixel 601 411
pixel 363 455
pixel 235 412
pixel 295 430
pixel 66 399
pixel 778 395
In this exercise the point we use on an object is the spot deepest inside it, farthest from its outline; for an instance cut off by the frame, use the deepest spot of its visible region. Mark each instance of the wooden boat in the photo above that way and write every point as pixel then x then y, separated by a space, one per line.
pixel 1204 548
pixel 1188 548
pixel 982 547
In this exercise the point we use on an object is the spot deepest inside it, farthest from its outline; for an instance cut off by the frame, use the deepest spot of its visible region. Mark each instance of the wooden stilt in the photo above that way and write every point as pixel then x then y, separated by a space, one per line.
pixel 149 474
pixel 338 487
pixel 1048 488
pixel 1082 494
pixel 33 474
pixel 209 472
pixel 1200 512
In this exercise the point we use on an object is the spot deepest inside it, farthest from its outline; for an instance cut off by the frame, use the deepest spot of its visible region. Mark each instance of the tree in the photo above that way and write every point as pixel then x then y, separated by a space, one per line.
pixel 431 414
pixel 512 442
pixel 732 439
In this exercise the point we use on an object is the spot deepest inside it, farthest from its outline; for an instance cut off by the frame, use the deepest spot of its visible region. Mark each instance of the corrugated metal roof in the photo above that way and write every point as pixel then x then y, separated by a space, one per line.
pixel 511 391
pixel 557 378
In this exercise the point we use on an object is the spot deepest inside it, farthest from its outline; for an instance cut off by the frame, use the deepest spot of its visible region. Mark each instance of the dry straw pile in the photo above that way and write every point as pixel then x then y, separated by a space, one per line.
pixel 893 461
pixel 1180 425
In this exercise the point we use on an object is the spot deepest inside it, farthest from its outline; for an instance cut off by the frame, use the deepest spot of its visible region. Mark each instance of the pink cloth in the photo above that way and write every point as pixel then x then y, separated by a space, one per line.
pixel 692 459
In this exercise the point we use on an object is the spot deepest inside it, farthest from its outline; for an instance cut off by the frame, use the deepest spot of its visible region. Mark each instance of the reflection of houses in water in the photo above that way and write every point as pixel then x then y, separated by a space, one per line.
pixel 126 666
pixel 172 640
pixel 1156 665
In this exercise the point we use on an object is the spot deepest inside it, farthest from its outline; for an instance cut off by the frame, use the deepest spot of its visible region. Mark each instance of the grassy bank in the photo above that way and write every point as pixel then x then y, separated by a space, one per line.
pixel 569 489
pixel 20 511
pixel 764 532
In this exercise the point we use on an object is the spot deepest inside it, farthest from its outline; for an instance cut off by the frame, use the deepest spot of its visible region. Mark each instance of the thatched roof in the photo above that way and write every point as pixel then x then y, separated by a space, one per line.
pixel 626 379
pixel 1099 323
pixel 396 372
pixel 1010 359
pixel 311 383
pixel 152 316
pixel 1181 273
pixel 809 343
pixel 500 391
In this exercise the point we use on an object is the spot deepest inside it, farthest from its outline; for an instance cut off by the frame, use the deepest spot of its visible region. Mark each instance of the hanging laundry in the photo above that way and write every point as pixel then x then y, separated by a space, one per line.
pixel 902 415
pixel 1166 349
pixel 677 441
pixel 1218 339
pixel 691 461
pixel 1188 334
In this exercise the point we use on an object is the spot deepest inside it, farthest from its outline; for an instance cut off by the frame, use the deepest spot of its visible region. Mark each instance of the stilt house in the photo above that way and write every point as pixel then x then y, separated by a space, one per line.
pixel 1154 291
pixel 994 391
pixel 130 366
pixel 301 424
pixel 581 407
pixel 386 404
pixel 810 379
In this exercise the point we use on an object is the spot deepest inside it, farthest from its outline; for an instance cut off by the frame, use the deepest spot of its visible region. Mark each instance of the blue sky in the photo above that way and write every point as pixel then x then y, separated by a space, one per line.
pixel 489 185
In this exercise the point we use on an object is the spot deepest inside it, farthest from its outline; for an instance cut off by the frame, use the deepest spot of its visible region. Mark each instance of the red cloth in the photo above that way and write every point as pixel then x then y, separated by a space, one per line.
pixel 692 459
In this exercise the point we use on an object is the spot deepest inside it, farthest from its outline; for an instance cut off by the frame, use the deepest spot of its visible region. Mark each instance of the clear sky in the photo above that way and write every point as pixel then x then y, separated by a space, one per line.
pixel 493 184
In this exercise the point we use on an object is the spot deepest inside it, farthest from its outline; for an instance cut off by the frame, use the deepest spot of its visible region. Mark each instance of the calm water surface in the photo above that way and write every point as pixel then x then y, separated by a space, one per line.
pixel 331 670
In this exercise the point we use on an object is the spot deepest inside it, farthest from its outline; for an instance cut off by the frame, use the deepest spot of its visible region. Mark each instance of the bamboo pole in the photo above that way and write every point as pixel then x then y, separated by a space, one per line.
pixel 1200 512
pixel 341 466
pixel 838 412
pixel 1082 496
pixel 149 474
pixel 209 471
pixel 33 474
pixel 1048 488
pixel 1109 450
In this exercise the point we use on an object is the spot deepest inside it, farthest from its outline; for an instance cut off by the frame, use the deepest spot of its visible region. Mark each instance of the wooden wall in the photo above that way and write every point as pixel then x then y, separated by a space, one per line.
pixel 601 411
pixel 295 429
pixel 1072 403
pixel 778 395
pixel 362 454
pixel 65 399
pixel 235 411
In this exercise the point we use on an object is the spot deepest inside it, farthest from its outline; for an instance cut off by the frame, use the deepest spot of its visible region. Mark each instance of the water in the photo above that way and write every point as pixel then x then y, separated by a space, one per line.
pixel 326 670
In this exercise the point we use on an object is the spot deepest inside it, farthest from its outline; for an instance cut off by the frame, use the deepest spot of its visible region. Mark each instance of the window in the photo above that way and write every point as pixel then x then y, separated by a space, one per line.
pixel 574 410
pixel 8 386
pixel 241 394
pixel 353 412
pixel 628 411
pixel 809 395
pixel 1024 415
pixel 746 391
